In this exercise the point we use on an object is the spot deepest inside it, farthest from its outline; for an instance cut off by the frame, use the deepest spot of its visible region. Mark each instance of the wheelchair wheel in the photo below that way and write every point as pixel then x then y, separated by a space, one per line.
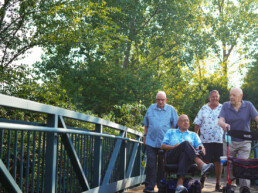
pixel 227 189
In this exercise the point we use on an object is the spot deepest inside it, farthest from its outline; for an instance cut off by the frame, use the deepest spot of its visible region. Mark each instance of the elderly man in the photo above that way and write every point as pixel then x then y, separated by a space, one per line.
pixel 236 115
pixel 159 118
pixel 182 145
pixel 211 134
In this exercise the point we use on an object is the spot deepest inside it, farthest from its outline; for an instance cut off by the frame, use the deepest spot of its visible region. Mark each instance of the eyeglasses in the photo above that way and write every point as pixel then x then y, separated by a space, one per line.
pixel 161 100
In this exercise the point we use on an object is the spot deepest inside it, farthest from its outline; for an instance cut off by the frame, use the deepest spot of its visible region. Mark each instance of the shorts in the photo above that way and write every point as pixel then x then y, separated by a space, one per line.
pixel 213 152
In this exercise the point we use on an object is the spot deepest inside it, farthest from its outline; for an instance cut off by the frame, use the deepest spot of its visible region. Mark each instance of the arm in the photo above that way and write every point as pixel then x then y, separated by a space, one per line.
pixel 223 124
pixel 256 119
pixel 145 133
pixel 168 147
pixel 196 129
pixel 174 119
pixel 203 149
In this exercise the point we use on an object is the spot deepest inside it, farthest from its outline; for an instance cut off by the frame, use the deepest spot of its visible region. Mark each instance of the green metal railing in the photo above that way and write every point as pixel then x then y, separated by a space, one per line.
pixel 49 149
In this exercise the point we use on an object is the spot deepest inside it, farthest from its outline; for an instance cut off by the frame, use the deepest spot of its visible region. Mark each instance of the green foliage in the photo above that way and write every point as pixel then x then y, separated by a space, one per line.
pixel 104 55
pixel 17 30
pixel 250 85
pixel 232 24
pixel 129 115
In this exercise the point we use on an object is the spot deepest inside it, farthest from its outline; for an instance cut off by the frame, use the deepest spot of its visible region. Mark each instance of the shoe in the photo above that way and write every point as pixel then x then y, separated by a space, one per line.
pixel 181 189
pixel 148 190
pixel 244 189
pixel 202 180
pixel 206 168
pixel 218 188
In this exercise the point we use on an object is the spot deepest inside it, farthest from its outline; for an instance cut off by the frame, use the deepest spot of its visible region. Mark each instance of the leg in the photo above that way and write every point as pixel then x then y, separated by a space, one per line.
pixel 151 167
pixel 243 153
pixel 232 153
pixel 160 174
pixel 218 151
pixel 183 155
pixel 218 171
pixel 180 180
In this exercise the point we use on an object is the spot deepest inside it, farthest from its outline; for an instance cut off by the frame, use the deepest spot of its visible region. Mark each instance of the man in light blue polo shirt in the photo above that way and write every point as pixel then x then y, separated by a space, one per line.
pixel 236 115
pixel 159 118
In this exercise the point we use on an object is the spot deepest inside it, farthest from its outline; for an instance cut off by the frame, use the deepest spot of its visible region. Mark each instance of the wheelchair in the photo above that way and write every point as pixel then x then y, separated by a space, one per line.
pixel 168 185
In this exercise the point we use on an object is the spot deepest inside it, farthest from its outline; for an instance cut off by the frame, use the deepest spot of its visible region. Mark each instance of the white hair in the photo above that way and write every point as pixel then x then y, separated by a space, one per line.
pixel 238 89
pixel 162 93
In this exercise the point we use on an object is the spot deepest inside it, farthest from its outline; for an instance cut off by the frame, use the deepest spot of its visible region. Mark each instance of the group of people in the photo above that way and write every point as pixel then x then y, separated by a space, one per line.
pixel 163 129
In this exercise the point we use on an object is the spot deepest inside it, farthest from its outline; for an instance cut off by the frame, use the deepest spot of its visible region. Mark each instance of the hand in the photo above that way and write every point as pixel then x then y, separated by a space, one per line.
pixel 202 148
pixel 144 139
pixel 226 126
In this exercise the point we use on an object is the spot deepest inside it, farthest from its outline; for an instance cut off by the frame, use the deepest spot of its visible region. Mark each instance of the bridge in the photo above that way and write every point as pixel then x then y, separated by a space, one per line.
pixel 49 149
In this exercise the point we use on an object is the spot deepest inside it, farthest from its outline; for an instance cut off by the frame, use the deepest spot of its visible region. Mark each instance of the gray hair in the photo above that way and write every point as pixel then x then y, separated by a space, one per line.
pixel 161 92
pixel 214 91
pixel 238 89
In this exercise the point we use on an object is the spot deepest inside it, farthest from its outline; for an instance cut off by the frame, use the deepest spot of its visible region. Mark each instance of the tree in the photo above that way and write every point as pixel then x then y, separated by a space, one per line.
pixel 107 53
pixel 17 34
pixel 250 85
pixel 233 25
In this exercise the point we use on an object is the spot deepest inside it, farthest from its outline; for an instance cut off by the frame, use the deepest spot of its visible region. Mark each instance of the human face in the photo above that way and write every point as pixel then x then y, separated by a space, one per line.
pixel 235 97
pixel 161 101
pixel 183 122
pixel 214 99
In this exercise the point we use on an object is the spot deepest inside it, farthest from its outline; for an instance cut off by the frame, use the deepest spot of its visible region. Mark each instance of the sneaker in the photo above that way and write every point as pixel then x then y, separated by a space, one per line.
pixel 148 190
pixel 181 189
pixel 206 168
pixel 244 189
pixel 202 180
pixel 218 188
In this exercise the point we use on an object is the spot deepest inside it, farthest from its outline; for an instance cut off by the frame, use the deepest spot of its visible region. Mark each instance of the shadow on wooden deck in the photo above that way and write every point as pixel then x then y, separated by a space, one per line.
pixel 208 188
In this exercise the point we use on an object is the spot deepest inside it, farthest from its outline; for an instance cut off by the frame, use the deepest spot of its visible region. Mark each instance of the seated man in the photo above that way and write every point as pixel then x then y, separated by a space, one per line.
pixel 181 145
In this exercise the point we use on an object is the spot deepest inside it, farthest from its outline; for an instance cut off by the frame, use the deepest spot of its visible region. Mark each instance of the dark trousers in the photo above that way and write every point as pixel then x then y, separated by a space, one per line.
pixel 151 173
pixel 183 155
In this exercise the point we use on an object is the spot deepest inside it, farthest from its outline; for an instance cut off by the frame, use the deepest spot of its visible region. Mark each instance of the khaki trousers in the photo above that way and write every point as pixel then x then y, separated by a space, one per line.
pixel 240 150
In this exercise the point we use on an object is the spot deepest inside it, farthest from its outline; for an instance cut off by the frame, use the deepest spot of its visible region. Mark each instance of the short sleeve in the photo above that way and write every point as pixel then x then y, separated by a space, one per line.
pixel 197 141
pixel 222 112
pixel 253 110
pixel 145 120
pixel 198 119
pixel 166 139
pixel 174 117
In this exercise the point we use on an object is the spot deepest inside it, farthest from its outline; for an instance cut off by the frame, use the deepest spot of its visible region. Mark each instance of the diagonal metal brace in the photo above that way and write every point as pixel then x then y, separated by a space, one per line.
pixel 7 180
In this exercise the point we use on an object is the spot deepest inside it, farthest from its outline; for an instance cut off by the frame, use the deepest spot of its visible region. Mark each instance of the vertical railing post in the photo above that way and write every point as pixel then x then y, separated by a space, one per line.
pixel 51 156
pixel 143 159
pixel 97 156
pixel 123 159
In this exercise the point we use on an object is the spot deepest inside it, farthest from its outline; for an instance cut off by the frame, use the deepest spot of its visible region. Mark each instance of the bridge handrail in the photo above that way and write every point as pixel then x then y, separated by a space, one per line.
pixel 58 139
pixel 18 103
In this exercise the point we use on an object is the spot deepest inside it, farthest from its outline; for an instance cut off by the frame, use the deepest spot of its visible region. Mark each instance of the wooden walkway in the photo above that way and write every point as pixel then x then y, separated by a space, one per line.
pixel 208 188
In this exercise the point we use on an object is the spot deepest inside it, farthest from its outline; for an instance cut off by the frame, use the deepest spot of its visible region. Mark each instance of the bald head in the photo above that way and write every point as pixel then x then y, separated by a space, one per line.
pixel 237 90
pixel 183 122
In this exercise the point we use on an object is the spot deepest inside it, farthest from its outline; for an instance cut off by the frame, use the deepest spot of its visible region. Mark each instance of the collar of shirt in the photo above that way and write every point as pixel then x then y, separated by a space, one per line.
pixel 243 105
pixel 163 109
pixel 178 130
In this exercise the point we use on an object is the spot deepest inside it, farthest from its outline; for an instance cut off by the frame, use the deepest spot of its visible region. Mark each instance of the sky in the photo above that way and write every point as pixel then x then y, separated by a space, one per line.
pixel 31 56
